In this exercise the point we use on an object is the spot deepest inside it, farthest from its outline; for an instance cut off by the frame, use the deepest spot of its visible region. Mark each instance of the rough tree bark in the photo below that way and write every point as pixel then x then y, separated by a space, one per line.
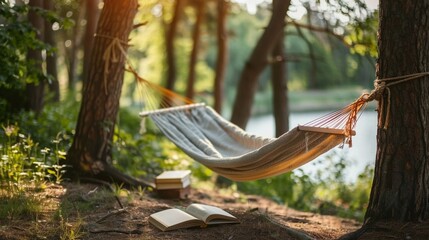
pixel 401 181
pixel 200 7
pixel 400 190
pixel 255 65
pixel 222 54
pixel 91 151
pixel 35 91
pixel 280 91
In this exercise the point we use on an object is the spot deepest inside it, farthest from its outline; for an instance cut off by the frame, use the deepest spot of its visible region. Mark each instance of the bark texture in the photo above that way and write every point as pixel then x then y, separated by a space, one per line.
pixel 91 151
pixel 257 62
pixel 400 189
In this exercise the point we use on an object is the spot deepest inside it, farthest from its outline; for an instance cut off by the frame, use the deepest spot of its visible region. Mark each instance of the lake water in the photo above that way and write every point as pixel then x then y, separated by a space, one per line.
pixel 361 153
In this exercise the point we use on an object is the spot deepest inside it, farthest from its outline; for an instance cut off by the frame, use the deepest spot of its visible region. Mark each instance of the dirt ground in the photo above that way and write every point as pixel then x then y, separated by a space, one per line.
pixel 259 217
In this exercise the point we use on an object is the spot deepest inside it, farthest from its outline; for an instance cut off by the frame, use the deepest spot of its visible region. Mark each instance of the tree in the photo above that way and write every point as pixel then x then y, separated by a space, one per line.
pixel 73 42
pixel 51 57
pixel 222 54
pixel 279 85
pixel 35 88
pixel 255 65
pixel 200 7
pixel 400 190
pixel 169 44
pixel 91 151
pixel 92 13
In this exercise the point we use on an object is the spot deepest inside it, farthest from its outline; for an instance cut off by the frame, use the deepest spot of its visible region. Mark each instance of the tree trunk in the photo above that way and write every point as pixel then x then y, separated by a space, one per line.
pixel 222 54
pixel 169 47
pixel 91 151
pixel 92 13
pixel 279 84
pixel 400 190
pixel 200 9
pixel 35 90
pixel 51 59
pixel 258 60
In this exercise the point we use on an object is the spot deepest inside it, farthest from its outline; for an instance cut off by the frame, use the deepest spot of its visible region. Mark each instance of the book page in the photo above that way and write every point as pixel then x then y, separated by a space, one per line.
pixel 171 219
pixel 210 214
pixel 173 176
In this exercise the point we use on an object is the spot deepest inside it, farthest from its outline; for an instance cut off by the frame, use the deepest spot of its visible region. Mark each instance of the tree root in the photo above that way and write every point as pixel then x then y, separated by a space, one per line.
pixel 112 174
pixel 108 176
pixel 111 214
pixel 294 233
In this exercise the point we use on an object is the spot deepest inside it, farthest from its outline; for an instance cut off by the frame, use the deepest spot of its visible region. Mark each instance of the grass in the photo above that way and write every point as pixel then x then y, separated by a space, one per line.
pixel 19 206
pixel 25 171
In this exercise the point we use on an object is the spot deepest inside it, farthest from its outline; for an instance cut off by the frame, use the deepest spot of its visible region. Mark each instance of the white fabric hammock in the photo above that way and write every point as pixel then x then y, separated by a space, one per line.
pixel 231 152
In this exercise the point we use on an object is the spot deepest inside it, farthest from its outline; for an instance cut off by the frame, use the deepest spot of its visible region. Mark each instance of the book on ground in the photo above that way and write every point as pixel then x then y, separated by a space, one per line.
pixel 195 215
pixel 173 185
pixel 177 179
pixel 173 176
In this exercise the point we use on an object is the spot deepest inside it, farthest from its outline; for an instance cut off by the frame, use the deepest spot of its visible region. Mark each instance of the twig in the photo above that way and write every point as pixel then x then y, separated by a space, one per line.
pixel 107 184
pixel 294 233
pixel 135 231
pixel 135 26
pixel 21 229
pixel 110 214
pixel 320 29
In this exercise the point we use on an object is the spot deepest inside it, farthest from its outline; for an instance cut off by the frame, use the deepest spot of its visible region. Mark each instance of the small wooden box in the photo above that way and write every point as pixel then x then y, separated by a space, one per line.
pixel 181 193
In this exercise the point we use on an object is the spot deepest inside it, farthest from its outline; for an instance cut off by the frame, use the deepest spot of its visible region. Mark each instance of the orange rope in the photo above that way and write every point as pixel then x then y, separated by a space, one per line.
pixel 163 91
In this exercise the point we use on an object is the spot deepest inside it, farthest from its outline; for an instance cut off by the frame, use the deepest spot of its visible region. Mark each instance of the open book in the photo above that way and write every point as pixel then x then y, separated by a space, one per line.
pixel 195 215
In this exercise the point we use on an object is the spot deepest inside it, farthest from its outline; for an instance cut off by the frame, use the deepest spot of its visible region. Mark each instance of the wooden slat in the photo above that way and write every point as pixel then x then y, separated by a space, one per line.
pixel 324 130
pixel 170 109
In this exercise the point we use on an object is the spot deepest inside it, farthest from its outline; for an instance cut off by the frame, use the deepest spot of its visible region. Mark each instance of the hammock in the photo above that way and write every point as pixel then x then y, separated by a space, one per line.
pixel 226 149
pixel 231 152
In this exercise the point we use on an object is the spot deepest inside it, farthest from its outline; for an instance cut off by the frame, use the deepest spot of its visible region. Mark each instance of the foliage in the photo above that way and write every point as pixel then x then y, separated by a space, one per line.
pixel 328 192
pixel 141 150
pixel 17 37
pixel 23 162
pixel 56 119
pixel 18 206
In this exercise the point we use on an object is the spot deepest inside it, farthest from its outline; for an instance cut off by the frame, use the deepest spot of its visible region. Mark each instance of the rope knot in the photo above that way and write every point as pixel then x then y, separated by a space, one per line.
pixel 112 54
pixel 377 92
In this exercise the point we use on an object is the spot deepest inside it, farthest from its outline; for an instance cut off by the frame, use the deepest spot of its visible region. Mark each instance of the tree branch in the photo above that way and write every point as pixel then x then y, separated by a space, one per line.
pixel 320 29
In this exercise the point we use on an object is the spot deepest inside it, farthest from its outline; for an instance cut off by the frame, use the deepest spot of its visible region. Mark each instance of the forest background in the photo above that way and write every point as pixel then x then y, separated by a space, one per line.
pixel 329 46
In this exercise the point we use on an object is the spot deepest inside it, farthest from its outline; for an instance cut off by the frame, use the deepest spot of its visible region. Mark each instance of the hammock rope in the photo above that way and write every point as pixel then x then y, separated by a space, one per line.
pixel 230 151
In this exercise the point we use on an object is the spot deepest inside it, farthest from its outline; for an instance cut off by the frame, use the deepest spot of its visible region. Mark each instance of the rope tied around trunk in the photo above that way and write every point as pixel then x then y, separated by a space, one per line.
pixel 382 85
pixel 111 55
